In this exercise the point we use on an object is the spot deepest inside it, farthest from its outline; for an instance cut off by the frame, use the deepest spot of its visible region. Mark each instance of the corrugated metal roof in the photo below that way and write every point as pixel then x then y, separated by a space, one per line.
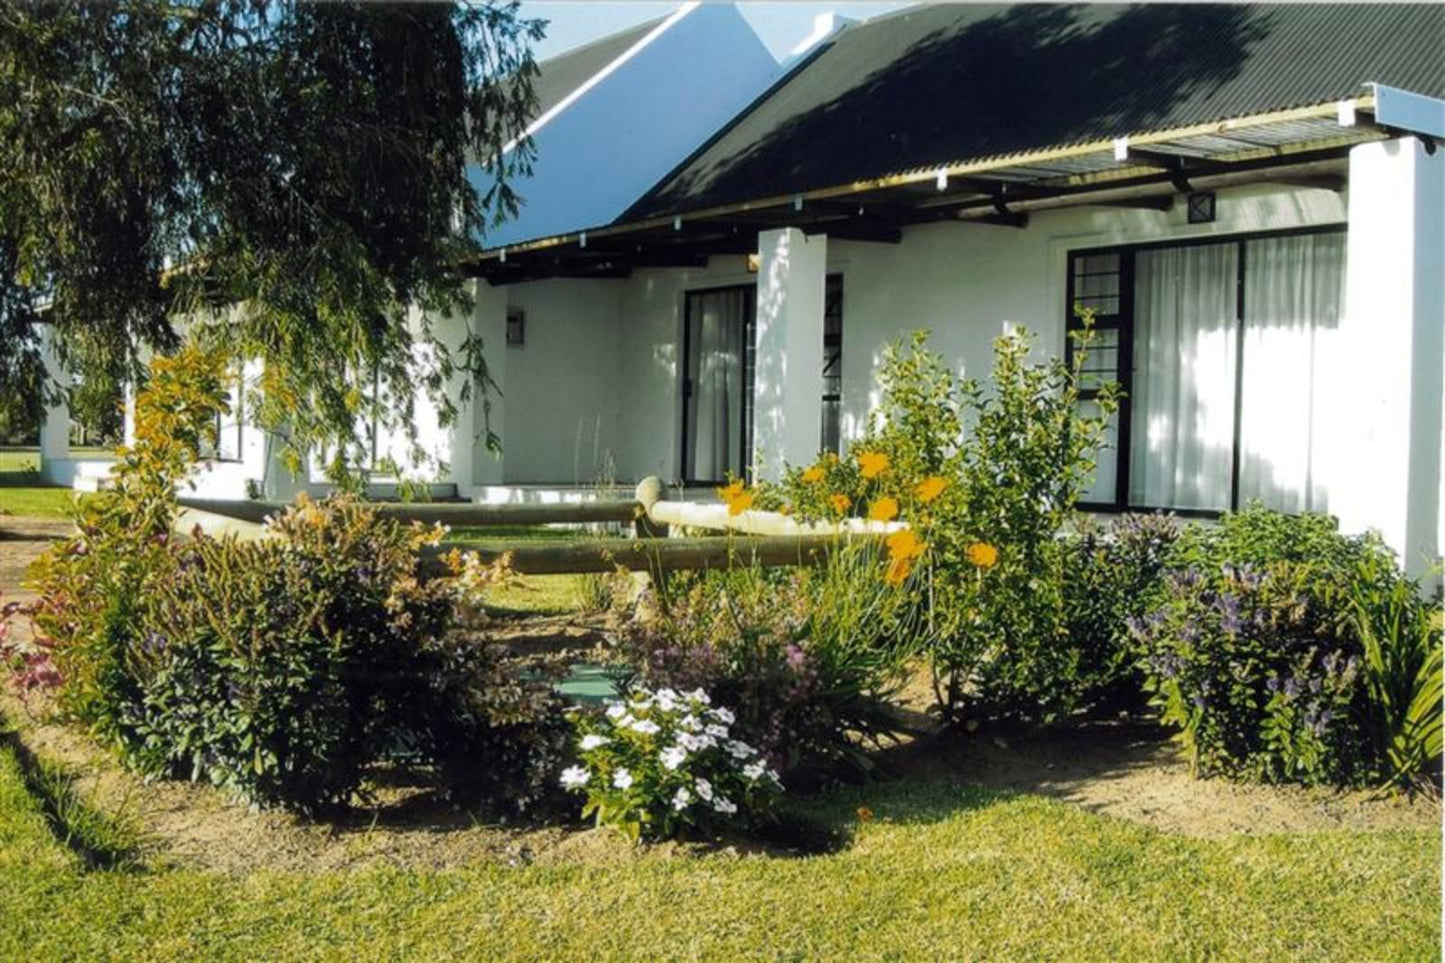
pixel 937 86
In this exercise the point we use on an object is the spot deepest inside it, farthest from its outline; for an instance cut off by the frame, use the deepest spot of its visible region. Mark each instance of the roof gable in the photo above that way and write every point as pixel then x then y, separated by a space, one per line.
pixel 614 117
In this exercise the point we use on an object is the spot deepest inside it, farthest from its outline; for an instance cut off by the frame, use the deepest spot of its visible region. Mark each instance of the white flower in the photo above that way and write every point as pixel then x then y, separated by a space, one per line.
pixel 725 805
pixel 673 756
pixel 739 750
pixel 777 780
pixel 682 798
pixel 575 776
pixel 691 723
pixel 704 789
pixel 616 710
pixel 720 732
pixel 697 695
pixel 622 779
pixel 723 715
pixel 592 740
pixel 754 770
pixel 666 700
pixel 694 743
pixel 646 726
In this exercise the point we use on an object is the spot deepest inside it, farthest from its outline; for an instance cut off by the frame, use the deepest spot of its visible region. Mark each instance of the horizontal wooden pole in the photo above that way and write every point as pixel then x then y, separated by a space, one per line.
pixel 449 513
pixel 651 554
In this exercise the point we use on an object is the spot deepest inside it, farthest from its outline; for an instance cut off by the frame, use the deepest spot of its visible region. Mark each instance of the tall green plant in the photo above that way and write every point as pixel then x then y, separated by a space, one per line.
pixel 1402 675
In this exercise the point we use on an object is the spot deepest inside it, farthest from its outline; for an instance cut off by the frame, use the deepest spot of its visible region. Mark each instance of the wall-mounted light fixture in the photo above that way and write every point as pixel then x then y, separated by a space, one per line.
pixel 1201 207
pixel 752 261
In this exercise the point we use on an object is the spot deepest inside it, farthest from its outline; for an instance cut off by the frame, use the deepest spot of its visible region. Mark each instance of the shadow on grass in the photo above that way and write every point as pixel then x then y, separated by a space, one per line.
pixel 103 840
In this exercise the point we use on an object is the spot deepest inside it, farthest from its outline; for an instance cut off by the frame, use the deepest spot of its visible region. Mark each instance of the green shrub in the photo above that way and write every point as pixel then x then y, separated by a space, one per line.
pixel 96 588
pixel 1115 575
pixel 1249 665
pixel 808 658
pixel 658 764
pixel 986 474
pixel 1286 651
pixel 278 669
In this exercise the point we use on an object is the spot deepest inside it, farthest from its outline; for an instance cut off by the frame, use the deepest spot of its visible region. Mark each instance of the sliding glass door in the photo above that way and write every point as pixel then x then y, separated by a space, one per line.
pixel 719 345
pixel 1215 344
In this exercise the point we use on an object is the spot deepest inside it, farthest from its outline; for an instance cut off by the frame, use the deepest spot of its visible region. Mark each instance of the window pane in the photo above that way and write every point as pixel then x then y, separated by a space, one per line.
pixel 832 363
pixel 1104 483
pixel 1096 282
pixel 1182 423
pixel 1294 291
pixel 715 409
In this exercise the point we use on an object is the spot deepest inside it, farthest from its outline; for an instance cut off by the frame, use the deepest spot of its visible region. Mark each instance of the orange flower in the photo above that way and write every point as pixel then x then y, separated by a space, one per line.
pixel 733 490
pixel 983 555
pixel 884 509
pixel 864 814
pixel 873 463
pixel 903 544
pixel 898 570
pixel 741 503
pixel 840 503
pixel 814 475
pixel 930 488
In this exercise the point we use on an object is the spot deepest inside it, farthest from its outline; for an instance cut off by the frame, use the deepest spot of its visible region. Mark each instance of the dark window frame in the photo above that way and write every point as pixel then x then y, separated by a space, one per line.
pixel 1124 322
pixel 749 377
pixel 833 286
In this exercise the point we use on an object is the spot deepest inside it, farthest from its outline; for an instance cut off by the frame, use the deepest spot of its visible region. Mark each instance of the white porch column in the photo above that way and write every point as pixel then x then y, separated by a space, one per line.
pixel 1391 351
pixel 489 322
pixel 788 392
pixel 55 428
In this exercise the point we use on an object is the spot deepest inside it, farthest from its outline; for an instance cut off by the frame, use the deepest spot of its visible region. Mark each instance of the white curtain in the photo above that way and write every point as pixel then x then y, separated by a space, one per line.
pixel 715 367
pixel 1293 293
pixel 1182 428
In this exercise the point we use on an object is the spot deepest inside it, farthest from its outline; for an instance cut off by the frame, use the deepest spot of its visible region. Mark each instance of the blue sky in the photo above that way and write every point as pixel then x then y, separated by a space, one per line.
pixel 779 24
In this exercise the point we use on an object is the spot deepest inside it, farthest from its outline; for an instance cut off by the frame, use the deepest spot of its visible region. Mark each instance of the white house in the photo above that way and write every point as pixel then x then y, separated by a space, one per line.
pixel 1251 198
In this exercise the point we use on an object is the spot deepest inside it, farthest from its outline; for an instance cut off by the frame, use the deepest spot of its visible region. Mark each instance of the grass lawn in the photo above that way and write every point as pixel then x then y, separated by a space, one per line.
pixel 942 871
pixel 34 500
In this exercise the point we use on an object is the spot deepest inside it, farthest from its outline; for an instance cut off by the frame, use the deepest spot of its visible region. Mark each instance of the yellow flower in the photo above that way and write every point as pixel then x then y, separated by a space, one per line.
pixel 903 544
pixel 983 555
pixel 733 490
pixel 884 509
pixel 898 570
pixel 873 463
pixel 930 488
pixel 814 475
pixel 840 503
pixel 740 504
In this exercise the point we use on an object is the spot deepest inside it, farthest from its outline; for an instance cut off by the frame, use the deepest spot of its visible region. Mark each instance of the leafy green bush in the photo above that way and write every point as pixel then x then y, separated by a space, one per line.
pixel 986 474
pixel 97 587
pixel 279 669
pixel 1286 651
pixel 807 657
pixel 661 763
pixel 1115 576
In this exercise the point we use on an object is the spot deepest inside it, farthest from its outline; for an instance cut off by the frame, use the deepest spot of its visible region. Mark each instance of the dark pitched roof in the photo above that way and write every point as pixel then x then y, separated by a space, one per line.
pixel 564 73
pixel 935 85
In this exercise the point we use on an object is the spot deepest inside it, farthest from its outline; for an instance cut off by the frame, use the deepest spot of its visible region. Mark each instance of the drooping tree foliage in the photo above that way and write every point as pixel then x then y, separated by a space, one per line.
pixel 285 179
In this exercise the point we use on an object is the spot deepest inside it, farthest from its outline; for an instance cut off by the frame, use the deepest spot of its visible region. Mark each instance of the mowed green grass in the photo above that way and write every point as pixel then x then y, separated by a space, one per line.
pixel 35 501
pixel 943 871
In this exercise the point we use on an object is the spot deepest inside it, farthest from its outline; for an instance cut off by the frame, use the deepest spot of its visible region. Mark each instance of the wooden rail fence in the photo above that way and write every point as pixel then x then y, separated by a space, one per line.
pixel 754 537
